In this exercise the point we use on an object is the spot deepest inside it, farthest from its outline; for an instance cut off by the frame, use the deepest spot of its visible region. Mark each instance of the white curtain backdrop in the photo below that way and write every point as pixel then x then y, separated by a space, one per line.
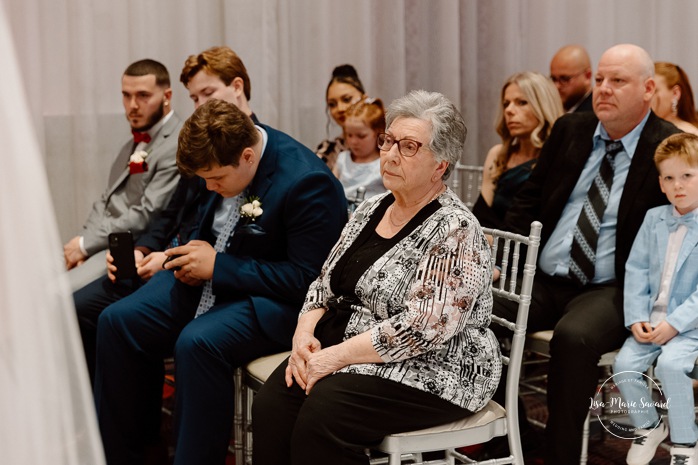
pixel 72 54
pixel 46 408
pixel 68 55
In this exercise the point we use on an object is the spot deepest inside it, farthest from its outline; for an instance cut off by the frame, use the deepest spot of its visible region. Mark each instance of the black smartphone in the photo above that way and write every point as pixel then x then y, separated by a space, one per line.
pixel 121 249
pixel 169 259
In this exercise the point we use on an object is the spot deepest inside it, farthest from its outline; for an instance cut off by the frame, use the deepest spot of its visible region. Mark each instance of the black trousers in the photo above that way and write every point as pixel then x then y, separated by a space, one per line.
pixel 587 323
pixel 343 415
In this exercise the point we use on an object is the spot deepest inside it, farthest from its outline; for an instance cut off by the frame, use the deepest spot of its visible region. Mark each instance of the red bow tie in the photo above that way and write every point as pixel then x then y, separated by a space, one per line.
pixel 139 137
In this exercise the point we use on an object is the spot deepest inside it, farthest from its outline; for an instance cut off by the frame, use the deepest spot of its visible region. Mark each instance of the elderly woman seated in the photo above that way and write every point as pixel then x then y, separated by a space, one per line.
pixel 394 333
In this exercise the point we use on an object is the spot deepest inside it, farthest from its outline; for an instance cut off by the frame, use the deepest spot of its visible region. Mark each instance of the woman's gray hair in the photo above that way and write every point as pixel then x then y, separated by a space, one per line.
pixel 448 129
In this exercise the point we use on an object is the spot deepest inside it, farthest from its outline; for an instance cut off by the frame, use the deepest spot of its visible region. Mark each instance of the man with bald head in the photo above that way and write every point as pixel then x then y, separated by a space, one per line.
pixel 570 71
pixel 594 181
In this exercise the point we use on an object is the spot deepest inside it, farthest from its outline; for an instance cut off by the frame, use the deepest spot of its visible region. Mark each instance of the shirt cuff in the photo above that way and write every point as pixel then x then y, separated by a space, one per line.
pixel 82 246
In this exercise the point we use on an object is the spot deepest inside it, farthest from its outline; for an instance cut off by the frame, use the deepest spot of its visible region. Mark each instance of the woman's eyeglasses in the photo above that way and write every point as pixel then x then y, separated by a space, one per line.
pixel 406 147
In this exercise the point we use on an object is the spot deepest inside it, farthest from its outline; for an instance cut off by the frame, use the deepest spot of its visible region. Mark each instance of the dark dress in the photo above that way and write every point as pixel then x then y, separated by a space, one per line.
pixel 508 185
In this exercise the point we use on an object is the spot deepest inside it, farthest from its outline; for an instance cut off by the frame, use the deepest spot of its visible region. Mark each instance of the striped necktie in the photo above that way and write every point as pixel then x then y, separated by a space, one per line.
pixel 586 232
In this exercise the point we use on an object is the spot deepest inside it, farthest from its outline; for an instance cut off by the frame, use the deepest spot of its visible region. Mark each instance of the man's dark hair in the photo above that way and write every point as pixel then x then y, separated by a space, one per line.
pixel 148 66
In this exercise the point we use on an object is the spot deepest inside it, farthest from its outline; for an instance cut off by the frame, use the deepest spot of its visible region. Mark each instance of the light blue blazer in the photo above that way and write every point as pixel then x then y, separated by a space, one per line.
pixel 644 272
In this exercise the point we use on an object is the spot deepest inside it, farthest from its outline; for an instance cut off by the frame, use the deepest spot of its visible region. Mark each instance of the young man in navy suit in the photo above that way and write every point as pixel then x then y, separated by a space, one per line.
pixel 228 297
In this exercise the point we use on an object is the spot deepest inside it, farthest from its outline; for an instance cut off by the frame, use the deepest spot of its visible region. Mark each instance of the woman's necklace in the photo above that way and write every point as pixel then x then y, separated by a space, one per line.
pixel 400 224
pixel 390 218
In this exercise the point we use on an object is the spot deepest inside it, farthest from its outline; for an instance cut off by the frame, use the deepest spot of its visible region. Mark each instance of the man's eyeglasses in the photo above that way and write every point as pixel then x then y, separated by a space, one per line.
pixel 406 147
pixel 564 80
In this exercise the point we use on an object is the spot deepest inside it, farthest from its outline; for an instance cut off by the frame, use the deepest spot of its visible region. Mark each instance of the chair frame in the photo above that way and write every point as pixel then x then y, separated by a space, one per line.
pixel 458 434
pixel 467 181
pixel 505 421
pixel 248 380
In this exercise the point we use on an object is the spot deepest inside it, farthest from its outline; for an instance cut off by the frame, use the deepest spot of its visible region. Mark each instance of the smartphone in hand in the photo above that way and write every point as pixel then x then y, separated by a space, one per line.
pixel 121 249
pixel 169 259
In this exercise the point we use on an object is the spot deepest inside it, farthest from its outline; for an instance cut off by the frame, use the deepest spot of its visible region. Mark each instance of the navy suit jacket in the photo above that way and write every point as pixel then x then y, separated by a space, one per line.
pixel 179 219
pixel 561 161
pixel 304 212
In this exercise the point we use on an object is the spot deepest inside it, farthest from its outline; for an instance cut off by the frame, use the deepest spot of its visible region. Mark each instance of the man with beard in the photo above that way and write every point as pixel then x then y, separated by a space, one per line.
pixel 142 177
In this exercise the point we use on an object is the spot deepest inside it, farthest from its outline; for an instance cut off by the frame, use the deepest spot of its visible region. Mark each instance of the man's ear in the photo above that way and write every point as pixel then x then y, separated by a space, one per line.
pixel 247 156
pixel 168 96
pixel 239 85
pixel 650 88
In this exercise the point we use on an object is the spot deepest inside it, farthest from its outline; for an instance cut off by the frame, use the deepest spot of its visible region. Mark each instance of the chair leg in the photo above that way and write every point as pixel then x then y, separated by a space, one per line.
pixel 585 442
pixel 248 397
pixel 395 459
pixel 238 417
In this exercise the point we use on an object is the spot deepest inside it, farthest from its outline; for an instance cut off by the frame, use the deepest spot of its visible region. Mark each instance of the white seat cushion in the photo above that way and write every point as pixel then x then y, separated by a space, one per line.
pixel 488 414
pixel 262 367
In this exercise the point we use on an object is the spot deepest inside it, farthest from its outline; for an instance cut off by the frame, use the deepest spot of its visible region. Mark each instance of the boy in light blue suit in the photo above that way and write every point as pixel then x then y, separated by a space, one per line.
pixel 661 308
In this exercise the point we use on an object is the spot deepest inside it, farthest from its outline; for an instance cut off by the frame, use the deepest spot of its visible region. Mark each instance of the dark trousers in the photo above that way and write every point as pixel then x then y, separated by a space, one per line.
pixel 90 302
pixel 343 415
pixel 135 334
pixel 587 323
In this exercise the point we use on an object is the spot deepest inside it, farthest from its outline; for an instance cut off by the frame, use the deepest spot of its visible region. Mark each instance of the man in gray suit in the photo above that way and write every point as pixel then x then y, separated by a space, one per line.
pixel 142 177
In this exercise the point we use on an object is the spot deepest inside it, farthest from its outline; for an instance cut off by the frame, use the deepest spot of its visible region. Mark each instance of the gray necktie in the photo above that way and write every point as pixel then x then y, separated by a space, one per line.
pixel 207 297
pixel 586 232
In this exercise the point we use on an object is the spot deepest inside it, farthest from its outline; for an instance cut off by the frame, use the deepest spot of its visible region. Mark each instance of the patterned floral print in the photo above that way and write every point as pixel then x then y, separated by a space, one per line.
pixel 427 303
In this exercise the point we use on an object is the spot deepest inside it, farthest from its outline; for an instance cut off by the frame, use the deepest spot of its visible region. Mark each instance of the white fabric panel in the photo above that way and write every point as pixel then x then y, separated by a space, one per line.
pixel 46 407
pixel 72 54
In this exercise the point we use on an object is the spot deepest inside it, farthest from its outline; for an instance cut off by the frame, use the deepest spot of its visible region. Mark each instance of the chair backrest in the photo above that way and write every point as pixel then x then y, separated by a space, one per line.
pixel 467 180
pixel 509 246
pixel 354 202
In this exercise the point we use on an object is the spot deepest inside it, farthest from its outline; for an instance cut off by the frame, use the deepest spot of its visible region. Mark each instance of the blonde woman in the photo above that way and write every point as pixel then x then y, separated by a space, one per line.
pixel 530 104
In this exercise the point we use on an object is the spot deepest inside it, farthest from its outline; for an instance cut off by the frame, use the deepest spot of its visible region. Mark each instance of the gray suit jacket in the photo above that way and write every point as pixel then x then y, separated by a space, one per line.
pixel 130 200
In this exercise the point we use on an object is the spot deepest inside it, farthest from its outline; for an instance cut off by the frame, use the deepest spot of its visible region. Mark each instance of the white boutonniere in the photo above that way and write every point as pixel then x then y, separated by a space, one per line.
pixel 252 209
pixel 249 212
pixel 137 163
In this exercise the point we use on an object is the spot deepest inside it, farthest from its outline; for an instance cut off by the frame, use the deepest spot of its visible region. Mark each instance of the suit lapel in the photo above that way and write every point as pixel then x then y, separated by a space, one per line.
pixel 578 150
pixel 209 205
pixel 661 235
pixel 267 166
pixel 119 169
pixel 688 245
pixel 262 180
pixel 119 175
pixel 640 167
